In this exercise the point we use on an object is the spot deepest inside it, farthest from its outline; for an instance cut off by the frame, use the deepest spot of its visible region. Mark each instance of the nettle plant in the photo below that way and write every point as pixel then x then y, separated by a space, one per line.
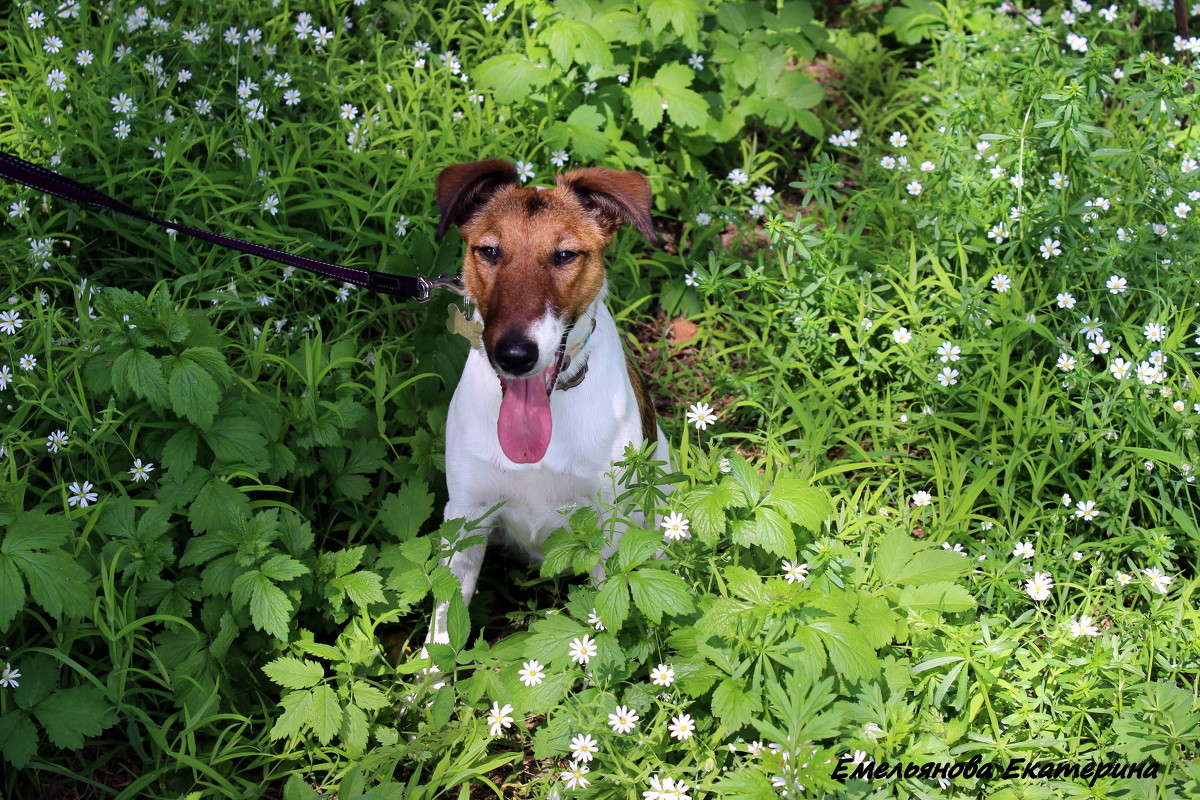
pixel 658 85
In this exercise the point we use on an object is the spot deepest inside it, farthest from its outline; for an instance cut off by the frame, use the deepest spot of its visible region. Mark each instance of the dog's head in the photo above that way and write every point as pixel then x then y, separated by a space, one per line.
pixel 533 266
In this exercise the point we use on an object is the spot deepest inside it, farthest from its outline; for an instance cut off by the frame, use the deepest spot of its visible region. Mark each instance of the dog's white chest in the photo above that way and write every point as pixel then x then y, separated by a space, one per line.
pixel 592 424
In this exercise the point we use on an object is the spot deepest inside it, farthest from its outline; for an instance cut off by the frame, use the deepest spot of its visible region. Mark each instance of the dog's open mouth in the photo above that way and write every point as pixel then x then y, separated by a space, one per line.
pixel 525 425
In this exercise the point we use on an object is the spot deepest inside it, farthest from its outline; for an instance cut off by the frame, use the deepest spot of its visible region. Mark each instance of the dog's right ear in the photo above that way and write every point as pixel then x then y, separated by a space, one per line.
pixel 463 188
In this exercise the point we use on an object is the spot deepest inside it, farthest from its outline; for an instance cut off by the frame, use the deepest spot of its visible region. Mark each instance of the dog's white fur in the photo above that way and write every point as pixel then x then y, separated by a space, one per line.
pixel 593 422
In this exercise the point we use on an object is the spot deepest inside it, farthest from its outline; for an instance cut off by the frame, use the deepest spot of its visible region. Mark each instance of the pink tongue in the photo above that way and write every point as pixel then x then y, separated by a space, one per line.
pixel 525 425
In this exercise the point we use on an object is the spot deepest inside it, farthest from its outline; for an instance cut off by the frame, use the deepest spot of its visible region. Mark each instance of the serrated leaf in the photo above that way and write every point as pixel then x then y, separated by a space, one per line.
pixel 140 373
pixel 768 530
pixel 297 711
pixel 270 608
pixel 362 588
pixel 212 360
pixel 805 505
pixel 892 554
pixel 294 673
pixel 281 568
pixel 70 715
pixel 18 738
pixel 368 697
pixel 582 133
pixel 511 77
pixel 194 394
pixel 458 622
pixel 733 705
pixel 646 103
pixel 551 639
pixel 36 530
pixel 656 591
pixel 218 505
pixel 404 512
pixel 57 582
pixel 12 592
pixel 875 620
pixel 237 439
pixel 637 545
pixel 936 596
pixel 612 603
pixel 746 584
pixel 932 565
pixel 705 508
pixel 326 715
pixel 849 652
pixel 354 732
pixel 179 453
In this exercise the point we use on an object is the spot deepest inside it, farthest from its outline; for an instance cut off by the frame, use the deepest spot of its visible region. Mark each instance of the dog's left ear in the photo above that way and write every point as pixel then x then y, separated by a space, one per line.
pixel 612 197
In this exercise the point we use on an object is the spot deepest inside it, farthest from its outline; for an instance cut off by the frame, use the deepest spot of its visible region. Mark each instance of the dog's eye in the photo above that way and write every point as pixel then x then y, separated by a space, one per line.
pixel 564 257
pixel 490 254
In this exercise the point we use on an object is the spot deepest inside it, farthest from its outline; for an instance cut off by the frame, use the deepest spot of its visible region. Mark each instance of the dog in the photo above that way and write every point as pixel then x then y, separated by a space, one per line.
pixel 548 400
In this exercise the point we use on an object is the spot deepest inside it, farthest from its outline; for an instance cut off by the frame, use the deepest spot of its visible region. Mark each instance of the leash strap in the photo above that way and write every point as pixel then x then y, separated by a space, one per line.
pixel 50 182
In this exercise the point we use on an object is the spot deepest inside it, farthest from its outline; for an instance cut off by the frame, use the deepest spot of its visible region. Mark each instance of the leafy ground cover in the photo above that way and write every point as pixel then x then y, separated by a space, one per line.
pixel 930 274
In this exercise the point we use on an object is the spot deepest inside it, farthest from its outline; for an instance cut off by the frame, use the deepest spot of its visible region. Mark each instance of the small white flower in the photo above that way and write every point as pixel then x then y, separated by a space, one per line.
pixel 1024 550
pixel 662 675
pixel 1083 627
pixel 682 727
pixel 8 677
pixel 1065 300
pixel 763 194
pixel 1120 368
pixel 1001 283
pixel 271 204
pixel 696 61
pixel 1066 362
pixel 583 748
pixel 583 649
pixel 81 495
pixel 531 673
pixel 525 171
pixel 1154 331
pixel 1086 510
pixel 922 498
pixel 559 158
pixel 500 718
pixel 595 621
pixel 1158 580
pixel 1050 247
pixel 902 335
pixel 139 471
pixel 794 573
pixel 1116 284
pixel 1040 585
pixel 623 719
pixel 914 188
pixel 574 777
pixel 1124 578
pixel 948 376
pixel 676 527
pixel 738 177
pixel 701 415
pixel 898 139
pixel 1059 181
pixel 56 79
pixel 402 225
pixel 1182 210
pixel 10 322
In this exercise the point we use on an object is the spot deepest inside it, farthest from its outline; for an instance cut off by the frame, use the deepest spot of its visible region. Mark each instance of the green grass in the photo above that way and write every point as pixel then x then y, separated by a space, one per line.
pixel 245 623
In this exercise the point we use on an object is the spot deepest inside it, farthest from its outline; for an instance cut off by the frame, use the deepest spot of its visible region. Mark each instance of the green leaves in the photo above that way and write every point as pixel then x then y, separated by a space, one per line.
pixel 512 76
pixel 657 592
pixel 668 90
pixel 30 555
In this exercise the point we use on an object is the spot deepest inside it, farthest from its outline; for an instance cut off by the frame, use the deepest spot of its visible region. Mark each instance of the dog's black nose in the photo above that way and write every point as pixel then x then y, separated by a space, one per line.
pixel 516 355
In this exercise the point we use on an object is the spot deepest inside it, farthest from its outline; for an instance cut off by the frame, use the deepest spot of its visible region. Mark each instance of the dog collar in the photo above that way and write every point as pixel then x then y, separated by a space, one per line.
pixel 577 378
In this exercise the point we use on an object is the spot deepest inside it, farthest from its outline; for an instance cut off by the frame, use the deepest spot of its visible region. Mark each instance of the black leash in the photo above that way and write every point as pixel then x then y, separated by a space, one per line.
pixel 44 180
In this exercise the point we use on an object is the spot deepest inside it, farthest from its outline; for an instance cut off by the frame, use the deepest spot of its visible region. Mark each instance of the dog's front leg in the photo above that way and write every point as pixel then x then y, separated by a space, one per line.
pixel 464 565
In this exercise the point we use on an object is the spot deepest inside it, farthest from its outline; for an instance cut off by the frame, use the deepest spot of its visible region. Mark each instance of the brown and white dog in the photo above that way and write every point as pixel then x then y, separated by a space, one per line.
pixel 549 400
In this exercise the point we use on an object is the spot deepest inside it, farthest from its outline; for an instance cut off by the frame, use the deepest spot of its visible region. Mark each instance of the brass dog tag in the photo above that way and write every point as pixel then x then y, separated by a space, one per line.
pixel 469 329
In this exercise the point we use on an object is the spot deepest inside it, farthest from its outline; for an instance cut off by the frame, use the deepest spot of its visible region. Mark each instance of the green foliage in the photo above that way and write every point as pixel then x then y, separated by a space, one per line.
pixel 218 545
